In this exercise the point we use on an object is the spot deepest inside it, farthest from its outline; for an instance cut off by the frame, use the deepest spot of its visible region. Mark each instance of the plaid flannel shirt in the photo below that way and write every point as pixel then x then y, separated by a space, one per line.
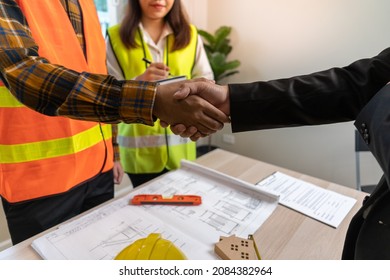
pixel 57 91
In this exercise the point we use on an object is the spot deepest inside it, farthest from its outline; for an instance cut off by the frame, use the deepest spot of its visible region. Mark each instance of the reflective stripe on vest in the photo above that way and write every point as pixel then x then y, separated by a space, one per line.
pixel 151 141
pixel 18 153
pixel 145 149
pixel 42 155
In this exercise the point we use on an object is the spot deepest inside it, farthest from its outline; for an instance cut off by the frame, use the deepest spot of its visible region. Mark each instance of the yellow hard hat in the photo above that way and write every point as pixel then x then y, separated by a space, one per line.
pixel 152 247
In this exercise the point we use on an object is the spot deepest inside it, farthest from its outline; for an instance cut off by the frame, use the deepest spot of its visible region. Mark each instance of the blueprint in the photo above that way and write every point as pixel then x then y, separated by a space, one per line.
pixel 229 206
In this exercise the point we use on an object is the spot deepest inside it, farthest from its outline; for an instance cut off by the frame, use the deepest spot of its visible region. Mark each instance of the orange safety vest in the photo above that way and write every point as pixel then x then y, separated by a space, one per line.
pixel 42 155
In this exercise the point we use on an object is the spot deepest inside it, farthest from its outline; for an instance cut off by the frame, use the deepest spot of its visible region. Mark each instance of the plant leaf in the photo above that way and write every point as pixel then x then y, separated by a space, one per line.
pixel 231 65
pixel 217 47
pixel 222 33
pixel 227 75
pixel 207 36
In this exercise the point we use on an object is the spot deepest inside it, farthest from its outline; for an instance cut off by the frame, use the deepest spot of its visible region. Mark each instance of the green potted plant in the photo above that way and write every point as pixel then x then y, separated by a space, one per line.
pixel 218 48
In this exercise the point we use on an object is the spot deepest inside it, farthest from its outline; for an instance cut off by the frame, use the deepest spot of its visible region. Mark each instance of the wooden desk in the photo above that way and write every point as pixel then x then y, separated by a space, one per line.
pixel 285 235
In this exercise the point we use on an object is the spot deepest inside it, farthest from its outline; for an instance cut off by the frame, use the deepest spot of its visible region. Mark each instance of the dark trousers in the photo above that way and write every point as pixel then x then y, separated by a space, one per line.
pixel 139 179
pixel 26 219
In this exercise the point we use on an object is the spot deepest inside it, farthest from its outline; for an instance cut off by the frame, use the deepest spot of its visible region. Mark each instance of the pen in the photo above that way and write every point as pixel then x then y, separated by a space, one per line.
pixel 149 62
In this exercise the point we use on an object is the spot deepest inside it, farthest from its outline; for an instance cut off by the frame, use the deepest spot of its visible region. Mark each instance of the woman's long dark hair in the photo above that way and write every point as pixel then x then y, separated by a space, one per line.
pixel 176 18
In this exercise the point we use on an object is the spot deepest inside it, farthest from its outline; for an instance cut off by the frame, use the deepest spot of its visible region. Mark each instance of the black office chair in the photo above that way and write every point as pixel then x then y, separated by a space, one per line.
pixel 361 146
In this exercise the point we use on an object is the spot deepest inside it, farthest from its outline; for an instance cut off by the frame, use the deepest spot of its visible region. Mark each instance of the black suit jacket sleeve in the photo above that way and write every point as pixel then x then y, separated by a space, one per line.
pixel 373 124
pixel 329 96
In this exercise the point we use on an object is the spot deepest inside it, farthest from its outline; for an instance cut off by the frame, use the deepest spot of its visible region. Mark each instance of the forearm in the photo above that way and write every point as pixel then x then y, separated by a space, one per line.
pixel 334 95
pixel 58 91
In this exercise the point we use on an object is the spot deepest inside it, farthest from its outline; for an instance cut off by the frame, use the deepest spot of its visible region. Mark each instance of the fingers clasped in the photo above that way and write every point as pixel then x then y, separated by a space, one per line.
pixel 192 113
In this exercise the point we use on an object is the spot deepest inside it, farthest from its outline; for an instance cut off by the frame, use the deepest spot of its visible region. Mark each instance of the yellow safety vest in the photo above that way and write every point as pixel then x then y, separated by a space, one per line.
pixel 41 155
pixel 145 149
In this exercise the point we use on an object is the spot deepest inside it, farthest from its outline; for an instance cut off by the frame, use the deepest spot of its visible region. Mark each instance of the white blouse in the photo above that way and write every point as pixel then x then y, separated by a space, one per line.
pixel 201 67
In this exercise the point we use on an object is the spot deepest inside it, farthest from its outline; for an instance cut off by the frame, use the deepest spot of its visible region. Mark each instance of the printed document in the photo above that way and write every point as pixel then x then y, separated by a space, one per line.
pixel 324 205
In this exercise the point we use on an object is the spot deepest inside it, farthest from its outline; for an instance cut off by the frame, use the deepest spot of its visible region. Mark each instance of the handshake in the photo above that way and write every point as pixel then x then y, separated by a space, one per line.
pixel 194 108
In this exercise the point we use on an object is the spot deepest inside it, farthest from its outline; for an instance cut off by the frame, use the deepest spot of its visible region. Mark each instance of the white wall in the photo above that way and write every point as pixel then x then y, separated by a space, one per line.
pixel 283 38
pixel 197 11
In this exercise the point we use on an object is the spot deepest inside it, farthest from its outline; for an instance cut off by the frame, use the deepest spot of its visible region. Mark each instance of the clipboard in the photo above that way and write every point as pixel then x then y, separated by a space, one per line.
pixel 173 79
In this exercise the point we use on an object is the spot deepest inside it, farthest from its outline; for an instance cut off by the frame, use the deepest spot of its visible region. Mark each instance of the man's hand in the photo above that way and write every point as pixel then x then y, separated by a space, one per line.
pixel 118 172
pixel 156 71
pixel 190 111
pixel 215 94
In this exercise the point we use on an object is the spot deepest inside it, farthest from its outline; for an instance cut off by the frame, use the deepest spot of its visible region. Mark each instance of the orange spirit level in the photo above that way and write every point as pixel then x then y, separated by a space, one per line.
pixel 172 200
